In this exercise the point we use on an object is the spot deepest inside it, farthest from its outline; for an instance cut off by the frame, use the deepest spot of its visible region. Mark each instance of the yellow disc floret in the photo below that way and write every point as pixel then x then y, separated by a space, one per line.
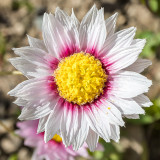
pixel 57 138
pixel 80 78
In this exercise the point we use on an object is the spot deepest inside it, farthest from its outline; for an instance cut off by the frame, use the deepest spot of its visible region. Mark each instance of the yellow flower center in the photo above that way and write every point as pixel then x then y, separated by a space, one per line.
pixel 80 78
pixel 57 138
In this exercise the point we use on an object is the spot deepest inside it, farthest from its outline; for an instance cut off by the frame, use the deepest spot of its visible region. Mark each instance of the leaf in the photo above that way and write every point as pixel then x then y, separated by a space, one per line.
pixel 13 157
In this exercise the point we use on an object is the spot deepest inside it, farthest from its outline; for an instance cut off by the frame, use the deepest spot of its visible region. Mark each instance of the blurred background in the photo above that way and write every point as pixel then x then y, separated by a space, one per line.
pixel 140 139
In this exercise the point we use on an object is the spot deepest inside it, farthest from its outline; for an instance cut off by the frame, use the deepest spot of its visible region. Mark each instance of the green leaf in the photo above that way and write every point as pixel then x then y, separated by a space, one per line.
pixel 2 46
pixel 153 5
pixel 152 43
pixel 13 157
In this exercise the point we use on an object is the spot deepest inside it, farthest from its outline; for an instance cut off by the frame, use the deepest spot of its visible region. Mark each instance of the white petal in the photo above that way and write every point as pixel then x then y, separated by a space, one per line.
pixel 74 127
pixel 20 102
pixel 111 24
pixel 69 124
pixel 56 37
pixel 33 55
pixel 129 84
pixel 139 65
pixel 90 17
pixel 75 20
pixel 115 132
pixel 41 124
pixel 126 106
pixel 82 132
pixel 36 43
pixel 114 116
pixel 122 58
pixel 33 86
pixel 117 41
pixel 96 34
pixel 132 116
pixel 23 65
pixel 92 31
pixel 143 100
pixel 63 17
pixel 35 113
pixel 53 123
pixel 92 140
pixel 97 121
pixel 19 86
pixel 71 24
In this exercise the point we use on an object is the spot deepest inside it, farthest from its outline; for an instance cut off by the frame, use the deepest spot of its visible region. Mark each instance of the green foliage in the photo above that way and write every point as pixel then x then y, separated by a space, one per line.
pixel 2 46
pixel 17 4
pixel 153 42
pixel 153 5
pixel 13 157
pixel 110 152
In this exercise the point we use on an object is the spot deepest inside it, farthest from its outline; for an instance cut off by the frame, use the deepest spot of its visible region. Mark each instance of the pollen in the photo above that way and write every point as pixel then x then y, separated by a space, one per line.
pixel 57 138
pixel 80 78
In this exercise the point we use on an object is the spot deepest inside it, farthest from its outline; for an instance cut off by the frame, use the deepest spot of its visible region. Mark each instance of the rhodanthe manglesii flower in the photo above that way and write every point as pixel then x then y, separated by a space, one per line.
pixel 53 150
pixel 82 78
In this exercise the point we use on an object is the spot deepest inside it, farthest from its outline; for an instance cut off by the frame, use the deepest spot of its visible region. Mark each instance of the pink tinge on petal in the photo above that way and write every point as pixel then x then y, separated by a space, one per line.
pixel 69 51
pixel 92 50
pixel 106 65
pixel 51 86
pixel 52 149
pixel 53 63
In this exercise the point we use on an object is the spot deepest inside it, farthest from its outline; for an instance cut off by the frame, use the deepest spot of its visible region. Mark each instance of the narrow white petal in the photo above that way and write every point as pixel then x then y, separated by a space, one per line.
pixel 139 65
pixel 35 113
pixel 132 116
pixel 82 131
pixel 56 37
pixel 115 132
pixel 90 17
pixel 117 41
pixel 41 124
pixel 96 33
pixel 53 123
pixel 86 25
pixel 97 121
pixel 111 24
pixel 143 100
pixel 92 140
pixel 129 84
pixel 20 102
pixel 71 24
pixel 33 55
pixel 36 43
pixel 19 86
pixel 122 58
pixel 75 20
pixel 23 65
pixel 126 106
pixel 47 36
pixel 92 31
pixel 114 116
pixel 63 17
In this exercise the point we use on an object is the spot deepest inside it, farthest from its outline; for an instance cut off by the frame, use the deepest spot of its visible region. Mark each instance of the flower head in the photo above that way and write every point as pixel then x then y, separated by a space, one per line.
pixel 54 149
pixel 82 78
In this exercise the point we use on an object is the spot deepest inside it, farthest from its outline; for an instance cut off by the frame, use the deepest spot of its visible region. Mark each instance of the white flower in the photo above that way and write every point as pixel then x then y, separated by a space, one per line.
pixel 82 78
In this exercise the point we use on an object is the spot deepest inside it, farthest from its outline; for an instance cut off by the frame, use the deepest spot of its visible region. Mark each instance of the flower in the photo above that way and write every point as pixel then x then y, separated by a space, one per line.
pixel 54 149
pixel 82 78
